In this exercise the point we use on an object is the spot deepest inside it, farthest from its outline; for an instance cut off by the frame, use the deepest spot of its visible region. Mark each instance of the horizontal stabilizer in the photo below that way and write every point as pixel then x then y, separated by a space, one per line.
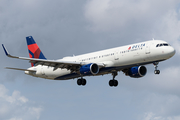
pixel 21 69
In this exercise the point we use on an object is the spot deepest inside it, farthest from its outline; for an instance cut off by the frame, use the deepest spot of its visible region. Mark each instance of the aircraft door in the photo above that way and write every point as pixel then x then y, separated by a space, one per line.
pixel 116 55
pixel 147 50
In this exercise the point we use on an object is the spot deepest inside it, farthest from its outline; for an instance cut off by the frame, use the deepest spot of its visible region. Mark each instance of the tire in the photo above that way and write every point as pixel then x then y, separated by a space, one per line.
pixel 111 83
pixel 157 72
pixel 115 83
pixel 83 82
pixel 79 82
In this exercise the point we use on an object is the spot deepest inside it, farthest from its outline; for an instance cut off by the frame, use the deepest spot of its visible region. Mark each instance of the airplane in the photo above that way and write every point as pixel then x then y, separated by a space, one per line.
pixel 129 59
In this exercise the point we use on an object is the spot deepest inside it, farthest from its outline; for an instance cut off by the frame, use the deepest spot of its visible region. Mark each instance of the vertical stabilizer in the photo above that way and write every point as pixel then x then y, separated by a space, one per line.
pixel 34 50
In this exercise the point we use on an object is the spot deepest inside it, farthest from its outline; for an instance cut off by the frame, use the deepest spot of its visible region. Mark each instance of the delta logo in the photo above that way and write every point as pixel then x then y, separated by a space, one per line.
pixel 137 46
pixel 129 48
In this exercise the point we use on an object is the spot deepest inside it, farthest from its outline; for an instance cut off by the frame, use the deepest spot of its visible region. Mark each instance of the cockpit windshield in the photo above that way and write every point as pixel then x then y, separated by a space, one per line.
pixel 162 44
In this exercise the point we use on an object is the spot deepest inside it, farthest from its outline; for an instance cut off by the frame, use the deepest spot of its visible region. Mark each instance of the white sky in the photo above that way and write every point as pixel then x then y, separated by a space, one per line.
pixel 66 27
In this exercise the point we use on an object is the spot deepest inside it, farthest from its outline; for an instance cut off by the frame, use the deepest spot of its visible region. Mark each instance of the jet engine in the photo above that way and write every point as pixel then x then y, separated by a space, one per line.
pixel 137 71
pixel 91 68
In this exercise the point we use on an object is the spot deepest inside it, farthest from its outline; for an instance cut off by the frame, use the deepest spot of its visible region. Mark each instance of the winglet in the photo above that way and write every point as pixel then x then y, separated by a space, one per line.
pixel 6 52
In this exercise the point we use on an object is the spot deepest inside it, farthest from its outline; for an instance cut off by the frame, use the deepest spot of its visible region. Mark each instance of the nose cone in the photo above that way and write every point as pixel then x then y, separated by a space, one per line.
pixel 170 51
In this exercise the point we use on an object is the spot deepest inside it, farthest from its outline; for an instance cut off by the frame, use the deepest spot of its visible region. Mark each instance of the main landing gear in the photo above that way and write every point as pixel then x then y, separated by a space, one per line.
pixel 113 82
pixel 156 66
pixel 81 81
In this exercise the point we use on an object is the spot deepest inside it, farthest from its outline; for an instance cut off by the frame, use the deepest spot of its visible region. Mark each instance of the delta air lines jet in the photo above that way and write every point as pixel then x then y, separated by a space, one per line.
pixel 129 59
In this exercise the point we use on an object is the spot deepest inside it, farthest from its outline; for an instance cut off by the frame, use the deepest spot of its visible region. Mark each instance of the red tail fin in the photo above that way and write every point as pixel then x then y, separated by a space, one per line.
pixel 34 50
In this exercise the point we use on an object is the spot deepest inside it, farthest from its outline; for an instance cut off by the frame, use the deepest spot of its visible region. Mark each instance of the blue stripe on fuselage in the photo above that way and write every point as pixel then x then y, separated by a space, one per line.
pixel 75 75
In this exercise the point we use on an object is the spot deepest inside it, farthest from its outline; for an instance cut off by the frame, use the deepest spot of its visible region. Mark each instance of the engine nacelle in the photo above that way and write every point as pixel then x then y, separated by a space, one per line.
pixel 91 68
pixel 137 71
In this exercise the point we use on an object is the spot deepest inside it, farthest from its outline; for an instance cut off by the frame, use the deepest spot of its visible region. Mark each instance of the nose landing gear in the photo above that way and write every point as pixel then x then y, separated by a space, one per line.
pixel 156 71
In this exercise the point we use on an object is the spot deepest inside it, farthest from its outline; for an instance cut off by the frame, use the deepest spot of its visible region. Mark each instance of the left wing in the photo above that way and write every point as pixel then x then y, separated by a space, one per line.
pixel 70 65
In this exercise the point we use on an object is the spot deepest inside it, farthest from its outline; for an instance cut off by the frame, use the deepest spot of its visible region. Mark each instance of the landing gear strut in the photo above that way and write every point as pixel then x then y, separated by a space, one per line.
pixel 81 81
pixel 113 82
pixel 156 71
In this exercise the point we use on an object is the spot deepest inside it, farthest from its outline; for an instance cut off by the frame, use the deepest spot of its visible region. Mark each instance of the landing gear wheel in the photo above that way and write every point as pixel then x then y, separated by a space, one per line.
pixel 81 81
pixel 157 72
pixel 113 83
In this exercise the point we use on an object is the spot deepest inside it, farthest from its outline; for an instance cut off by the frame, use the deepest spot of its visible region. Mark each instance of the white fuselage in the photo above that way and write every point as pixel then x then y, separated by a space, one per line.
pixel 114 59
